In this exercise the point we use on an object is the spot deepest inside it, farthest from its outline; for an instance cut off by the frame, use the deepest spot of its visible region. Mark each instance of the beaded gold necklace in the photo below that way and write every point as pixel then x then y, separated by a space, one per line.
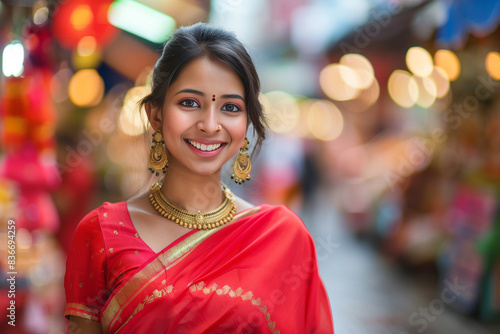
pixel 201 221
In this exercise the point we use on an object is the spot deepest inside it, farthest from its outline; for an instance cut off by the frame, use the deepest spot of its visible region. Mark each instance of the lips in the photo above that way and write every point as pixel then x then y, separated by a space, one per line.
pixel 204 147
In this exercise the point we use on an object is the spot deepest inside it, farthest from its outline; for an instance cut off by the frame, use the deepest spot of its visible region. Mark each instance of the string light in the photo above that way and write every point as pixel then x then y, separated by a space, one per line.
pixel 13 59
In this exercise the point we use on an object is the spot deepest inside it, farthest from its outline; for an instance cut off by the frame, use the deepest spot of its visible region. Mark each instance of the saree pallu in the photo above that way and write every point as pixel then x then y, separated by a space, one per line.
pixel 256 275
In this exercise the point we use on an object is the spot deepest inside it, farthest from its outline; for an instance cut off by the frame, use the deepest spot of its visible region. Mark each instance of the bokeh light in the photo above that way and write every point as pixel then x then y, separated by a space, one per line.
pixel 403 88
pixel 81 17
pixel 87 54
pixel 363 68
pixel 369 96
pixel 133 121
pixel 366 98
pixel 324 120
pixel 40 16
pixel 13 59
pixel 440 79
pixel 281 109
pixel 449 62
pixel 77 19
pixel 302 130
pixel 492 64
pixel 86 46
pixel 86 88
pixel 419 61
pixel 426 92
pixel 332 80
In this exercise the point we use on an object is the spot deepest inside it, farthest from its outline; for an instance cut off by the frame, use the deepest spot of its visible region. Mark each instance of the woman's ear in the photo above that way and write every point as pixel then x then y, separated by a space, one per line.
pixel 154 116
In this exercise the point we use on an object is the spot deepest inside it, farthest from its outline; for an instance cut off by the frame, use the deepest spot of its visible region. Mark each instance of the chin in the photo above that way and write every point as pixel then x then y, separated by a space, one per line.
pixel 199 170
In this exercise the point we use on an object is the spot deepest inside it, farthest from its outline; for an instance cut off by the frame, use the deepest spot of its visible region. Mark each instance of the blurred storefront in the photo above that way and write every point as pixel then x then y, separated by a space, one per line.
pixel 394 105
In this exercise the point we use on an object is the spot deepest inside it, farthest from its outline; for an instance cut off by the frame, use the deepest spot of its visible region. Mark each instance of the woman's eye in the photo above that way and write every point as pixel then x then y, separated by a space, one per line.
pixel 231 107
pixel 190 103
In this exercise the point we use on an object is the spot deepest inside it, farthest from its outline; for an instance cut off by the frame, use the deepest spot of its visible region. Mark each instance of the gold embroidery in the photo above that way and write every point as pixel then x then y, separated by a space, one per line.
pixel 111 250
pixel 136 252
pixel 115 232
pixel 164 282
pixel 105 214
pixel 121 223
pixel 101 250
pixel 238 292
pixel 150 272
pixel 149 299
pixel 247 295
pixel 137 235
pixel 82 311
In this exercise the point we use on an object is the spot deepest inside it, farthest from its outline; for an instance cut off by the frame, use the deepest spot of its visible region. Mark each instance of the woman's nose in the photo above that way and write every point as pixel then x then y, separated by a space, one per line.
pixel 209 122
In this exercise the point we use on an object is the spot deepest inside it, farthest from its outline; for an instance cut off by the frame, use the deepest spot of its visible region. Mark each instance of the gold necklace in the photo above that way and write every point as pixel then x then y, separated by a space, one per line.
pixel 201 221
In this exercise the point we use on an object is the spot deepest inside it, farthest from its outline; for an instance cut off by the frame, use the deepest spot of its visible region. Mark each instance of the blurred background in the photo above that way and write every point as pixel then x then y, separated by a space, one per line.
pixel 384 136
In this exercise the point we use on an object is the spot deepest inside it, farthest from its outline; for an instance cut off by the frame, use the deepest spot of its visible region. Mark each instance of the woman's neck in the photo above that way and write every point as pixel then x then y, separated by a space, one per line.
pixel 193 192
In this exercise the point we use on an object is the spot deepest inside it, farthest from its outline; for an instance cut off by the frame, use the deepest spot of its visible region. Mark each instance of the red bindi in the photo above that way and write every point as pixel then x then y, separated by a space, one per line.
pixel 213 97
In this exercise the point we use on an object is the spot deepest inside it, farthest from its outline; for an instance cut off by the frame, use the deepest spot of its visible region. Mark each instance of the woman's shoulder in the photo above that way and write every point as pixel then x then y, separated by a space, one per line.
pixel 90 223
pixel 282 210
pixel 283 217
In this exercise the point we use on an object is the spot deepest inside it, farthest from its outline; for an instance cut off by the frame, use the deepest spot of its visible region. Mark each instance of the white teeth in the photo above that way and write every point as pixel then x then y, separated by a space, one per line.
pixel 203 147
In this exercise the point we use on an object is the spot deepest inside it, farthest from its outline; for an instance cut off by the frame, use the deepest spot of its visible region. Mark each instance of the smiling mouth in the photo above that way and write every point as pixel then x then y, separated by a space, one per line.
pixel 203 147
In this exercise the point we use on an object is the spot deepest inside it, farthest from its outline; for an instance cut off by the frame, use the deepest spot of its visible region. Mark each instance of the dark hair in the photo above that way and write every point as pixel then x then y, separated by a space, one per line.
pixel 201 39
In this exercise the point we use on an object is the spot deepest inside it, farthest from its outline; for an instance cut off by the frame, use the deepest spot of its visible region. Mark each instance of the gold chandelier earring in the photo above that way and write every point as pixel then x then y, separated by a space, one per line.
pixel 158 155
pixel 242 164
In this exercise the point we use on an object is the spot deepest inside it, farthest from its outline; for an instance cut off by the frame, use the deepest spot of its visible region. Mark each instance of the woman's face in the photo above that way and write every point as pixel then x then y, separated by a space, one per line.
pixel 204 118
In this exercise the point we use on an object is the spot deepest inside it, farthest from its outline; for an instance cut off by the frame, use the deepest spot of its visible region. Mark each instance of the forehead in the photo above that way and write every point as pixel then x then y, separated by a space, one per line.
pixel 208 75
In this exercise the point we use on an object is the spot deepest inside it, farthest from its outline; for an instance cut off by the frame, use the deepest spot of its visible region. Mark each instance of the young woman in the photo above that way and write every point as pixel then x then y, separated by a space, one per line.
pixel 190 257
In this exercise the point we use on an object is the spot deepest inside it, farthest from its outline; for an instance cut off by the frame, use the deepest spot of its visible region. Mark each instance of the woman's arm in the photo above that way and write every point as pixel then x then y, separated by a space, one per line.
pixel 78 325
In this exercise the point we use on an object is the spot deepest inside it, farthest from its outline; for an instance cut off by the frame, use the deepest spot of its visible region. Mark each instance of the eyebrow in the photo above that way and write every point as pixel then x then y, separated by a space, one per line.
pixel 233 96
pixel 197 92
pixel 193 91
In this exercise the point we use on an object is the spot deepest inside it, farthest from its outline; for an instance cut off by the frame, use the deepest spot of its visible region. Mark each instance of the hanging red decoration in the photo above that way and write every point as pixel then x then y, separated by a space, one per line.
pixel 76 19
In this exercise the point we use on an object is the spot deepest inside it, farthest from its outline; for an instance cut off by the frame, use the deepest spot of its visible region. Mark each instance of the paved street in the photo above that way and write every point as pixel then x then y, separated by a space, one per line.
pixel 367 293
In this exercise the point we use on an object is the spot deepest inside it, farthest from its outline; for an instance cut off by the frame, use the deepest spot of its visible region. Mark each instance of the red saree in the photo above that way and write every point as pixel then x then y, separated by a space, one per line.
pixel 256 275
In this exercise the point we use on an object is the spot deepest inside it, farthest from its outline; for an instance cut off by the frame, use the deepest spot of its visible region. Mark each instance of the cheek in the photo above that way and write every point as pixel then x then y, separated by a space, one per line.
pixel 174 123
pixel 239 131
